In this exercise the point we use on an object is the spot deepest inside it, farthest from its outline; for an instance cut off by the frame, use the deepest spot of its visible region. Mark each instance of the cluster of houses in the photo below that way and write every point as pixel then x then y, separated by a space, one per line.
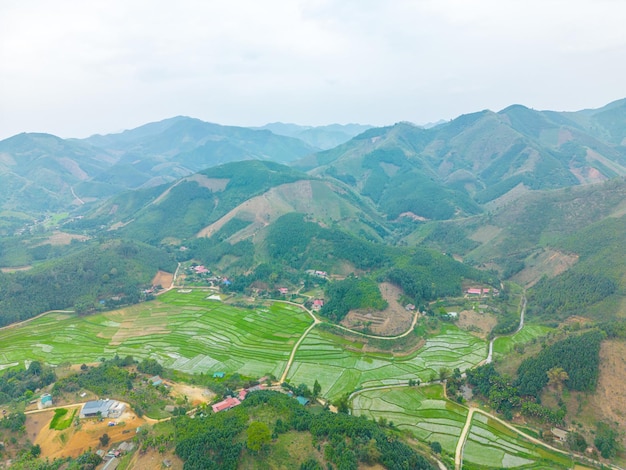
pixel 232 402
pixel 115 453
pixel 480 292
pixel 202 272
pixel 316 273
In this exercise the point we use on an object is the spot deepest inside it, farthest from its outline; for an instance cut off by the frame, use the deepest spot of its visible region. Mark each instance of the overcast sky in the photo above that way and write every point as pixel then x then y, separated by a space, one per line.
pixel 75 68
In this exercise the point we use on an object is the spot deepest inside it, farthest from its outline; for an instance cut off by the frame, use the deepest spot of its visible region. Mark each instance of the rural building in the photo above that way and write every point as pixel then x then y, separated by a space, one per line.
pixel 45 401
pixel 156 381
pixel 219 375
pixel 283 290
pixel 559 434
pixel 302 400
pixel 318 304
pixel 227 404
pixel 105 408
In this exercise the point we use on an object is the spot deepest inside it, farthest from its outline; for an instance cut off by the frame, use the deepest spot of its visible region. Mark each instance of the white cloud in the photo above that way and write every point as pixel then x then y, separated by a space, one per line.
pixel 75 68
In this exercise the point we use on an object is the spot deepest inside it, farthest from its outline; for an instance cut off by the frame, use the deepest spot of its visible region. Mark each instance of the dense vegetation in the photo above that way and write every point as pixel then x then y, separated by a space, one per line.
pixel 349 294
pixel 427 275
pixel 302 244
pixel 578 356
pixel 17 383
pixel 113 272
pixel 504 396
pixel 217 441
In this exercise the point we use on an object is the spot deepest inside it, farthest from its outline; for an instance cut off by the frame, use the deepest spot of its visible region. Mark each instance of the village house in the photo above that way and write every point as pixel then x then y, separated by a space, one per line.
pixel 102 408
pixel 45 401
pixel 227 404
pixel 559 434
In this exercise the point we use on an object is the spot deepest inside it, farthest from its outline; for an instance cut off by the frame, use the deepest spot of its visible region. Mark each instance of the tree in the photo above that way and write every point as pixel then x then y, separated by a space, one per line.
pixel 606 440
pixel 104 440
pixel 35 450
pixel 436 447
pixel 556 377
pixel 259 436
pixel 317 388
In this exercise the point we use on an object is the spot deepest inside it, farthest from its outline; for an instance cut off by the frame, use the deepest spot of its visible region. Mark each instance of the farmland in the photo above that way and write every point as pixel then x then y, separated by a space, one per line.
pixel 183 331
pixel 323 356
pixel 424 411
pixel 505 344
pixel 490 444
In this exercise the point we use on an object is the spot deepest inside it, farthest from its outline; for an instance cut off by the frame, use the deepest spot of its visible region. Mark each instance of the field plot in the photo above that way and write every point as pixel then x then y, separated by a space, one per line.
pixel 506 344
pixel 323 356
pixel 422 410
pixel 490 444
pixel 184 331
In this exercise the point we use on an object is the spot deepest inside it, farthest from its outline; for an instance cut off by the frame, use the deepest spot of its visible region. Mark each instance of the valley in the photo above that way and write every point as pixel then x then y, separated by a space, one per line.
pixel 456 293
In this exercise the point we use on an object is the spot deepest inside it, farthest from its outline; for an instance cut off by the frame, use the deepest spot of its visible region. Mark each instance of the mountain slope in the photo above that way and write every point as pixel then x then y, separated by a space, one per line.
pixel 477 159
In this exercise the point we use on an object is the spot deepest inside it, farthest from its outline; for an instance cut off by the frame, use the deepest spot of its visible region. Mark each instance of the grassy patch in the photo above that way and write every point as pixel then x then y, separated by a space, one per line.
pixel 62 419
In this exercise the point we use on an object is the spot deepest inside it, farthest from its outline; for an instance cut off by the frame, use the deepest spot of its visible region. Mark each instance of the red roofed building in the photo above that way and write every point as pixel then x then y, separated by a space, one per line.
pixel 474 291
pixel 227 404
pixel 283 290
pixel 318 304
pixel 242 394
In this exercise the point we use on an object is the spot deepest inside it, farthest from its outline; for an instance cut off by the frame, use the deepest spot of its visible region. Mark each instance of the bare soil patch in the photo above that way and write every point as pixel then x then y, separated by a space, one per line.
pixel 195 395
pixel 609 401
pixel 62 238
pixel 77 439
pixel 394 320
pixel 15 269
pixel 153 460
pixel 478 323
pixel 550 262
pixel 485 233
pixel 163 279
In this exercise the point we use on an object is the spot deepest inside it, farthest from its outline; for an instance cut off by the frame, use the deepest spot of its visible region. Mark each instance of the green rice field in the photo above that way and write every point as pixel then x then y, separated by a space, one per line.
pixel 323 356
pixel 183 331
pixel 491 445
pixel 505 344
pixel 422 410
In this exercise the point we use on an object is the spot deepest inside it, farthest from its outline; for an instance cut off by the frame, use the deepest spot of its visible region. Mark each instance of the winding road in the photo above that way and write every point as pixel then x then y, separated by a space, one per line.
pixel 519 328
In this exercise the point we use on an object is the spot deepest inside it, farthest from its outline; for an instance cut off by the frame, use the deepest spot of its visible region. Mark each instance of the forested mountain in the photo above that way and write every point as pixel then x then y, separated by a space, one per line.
pixel 41 173
pixel 454 168
pixel 509 192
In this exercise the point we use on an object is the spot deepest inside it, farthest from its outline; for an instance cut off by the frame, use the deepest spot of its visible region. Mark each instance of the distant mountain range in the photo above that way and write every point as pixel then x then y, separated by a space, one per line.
pixel 322 137
pixel 462 167
pixel 517 191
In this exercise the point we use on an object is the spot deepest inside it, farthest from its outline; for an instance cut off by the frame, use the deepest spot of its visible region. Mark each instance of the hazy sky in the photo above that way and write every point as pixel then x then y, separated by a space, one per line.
pixel 75 68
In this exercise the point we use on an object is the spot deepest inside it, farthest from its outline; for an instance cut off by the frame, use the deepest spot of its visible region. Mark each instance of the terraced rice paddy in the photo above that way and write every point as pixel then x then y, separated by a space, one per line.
pixel 505 344
pixel 322 356
pixel 185 332
pixel 422 410
pixel 492 445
